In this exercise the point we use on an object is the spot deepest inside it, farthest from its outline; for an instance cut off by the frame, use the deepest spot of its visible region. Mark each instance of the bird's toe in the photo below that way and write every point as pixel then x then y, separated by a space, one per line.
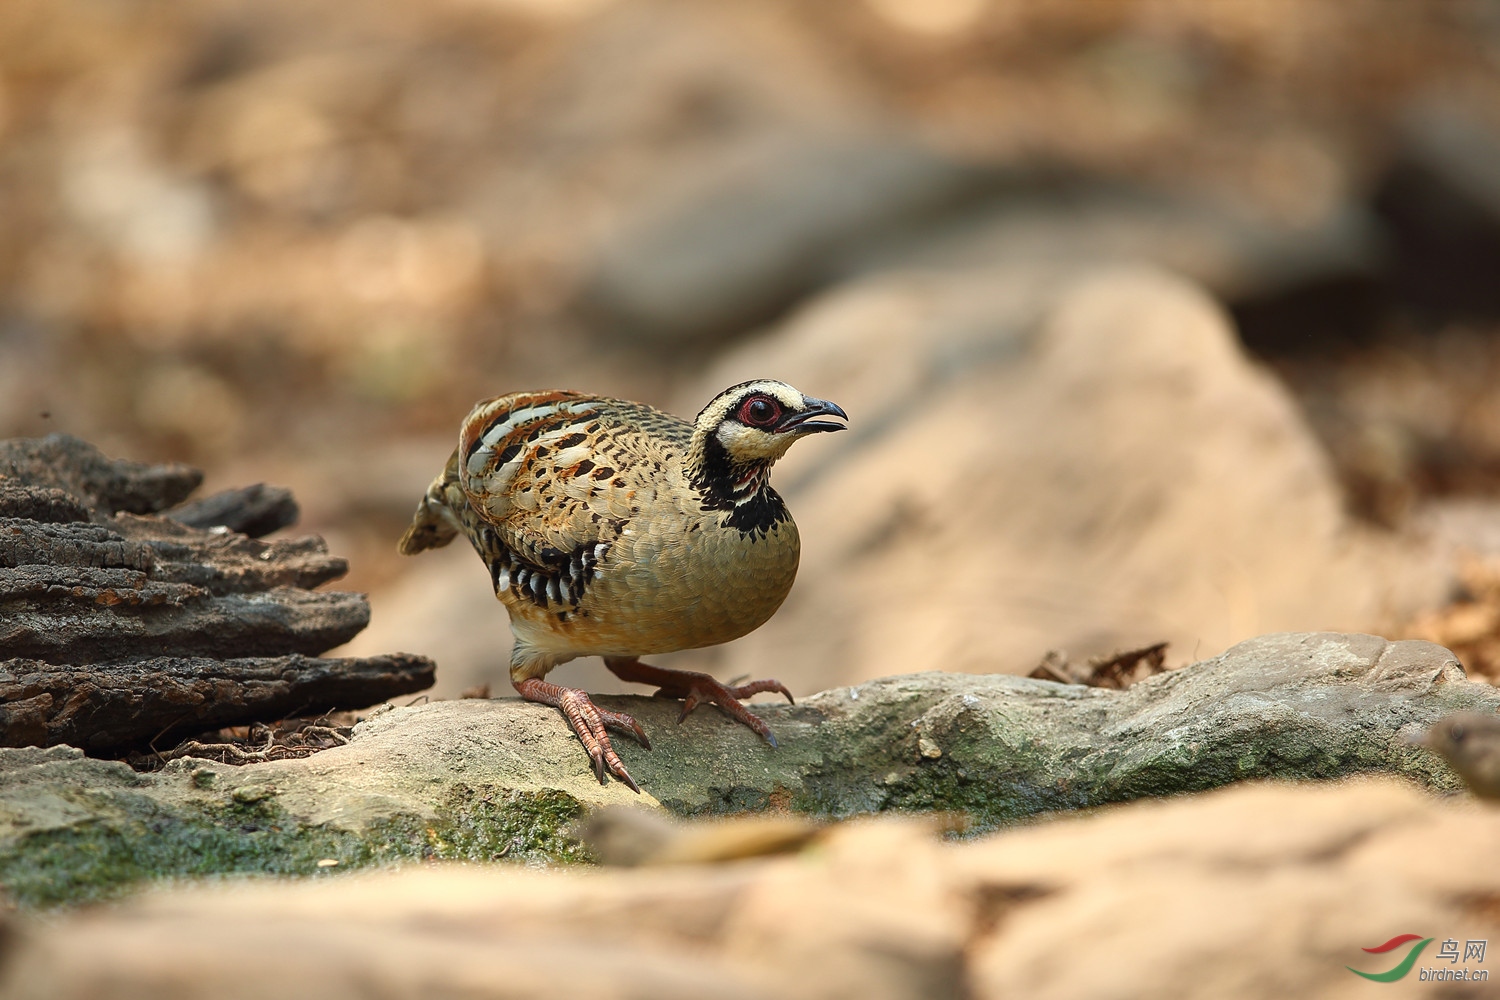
pixel 588 721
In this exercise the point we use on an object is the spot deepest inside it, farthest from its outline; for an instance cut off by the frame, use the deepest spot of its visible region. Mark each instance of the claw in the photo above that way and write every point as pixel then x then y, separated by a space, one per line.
pixel 694 689
pixel 622 723
pixel 588 722
pixel 743 691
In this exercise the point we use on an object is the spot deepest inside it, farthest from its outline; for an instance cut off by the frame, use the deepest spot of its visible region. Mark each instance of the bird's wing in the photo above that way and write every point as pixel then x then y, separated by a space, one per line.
pixel 558 475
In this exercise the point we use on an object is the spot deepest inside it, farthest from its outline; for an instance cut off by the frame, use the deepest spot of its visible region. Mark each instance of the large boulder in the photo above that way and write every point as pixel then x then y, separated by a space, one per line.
pixel 1040 459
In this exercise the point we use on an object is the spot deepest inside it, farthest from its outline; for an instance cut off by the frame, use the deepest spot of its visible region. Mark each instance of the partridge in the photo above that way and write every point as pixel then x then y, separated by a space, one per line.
pixel 613 529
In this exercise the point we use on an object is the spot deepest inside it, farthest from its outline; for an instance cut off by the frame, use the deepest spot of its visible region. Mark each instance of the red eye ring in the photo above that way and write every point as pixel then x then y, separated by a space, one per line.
pixel 759 411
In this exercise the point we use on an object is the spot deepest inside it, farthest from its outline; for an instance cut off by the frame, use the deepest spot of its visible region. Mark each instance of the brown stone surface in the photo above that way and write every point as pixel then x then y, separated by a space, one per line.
pixel 1256 891
pixel 995 749
pixel 1061 459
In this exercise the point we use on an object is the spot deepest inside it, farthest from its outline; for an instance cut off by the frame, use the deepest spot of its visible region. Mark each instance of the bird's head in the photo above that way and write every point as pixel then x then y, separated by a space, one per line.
pixel 754 423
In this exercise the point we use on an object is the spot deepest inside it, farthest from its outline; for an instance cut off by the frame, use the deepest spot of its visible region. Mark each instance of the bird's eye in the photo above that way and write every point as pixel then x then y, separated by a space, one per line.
pixel 760 411
pixel 1457 734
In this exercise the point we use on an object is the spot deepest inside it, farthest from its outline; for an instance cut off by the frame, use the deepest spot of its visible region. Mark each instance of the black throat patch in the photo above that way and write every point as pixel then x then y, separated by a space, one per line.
pixel 742 489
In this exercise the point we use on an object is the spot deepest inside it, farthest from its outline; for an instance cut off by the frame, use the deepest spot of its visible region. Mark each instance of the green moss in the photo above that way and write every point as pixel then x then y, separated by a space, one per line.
pixel 105 858
pixel 990 799
pixel 482 824
pixel 102 858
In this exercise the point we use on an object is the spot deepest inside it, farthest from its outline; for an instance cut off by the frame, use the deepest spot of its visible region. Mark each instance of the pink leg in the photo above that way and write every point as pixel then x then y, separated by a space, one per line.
pixel 695 688
pixel 589 722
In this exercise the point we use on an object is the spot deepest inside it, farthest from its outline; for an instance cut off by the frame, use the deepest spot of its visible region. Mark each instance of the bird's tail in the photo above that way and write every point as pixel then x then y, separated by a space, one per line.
pixel 434 524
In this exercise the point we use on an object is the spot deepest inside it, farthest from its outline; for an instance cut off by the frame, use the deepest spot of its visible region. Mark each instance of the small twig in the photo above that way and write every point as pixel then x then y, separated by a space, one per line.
pixel 283 740
pixel 164 730
pixel 192 748
pixel 328 731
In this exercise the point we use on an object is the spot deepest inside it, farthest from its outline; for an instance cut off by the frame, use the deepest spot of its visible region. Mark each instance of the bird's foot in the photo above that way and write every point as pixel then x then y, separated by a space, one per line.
pixel 589 721
pixel 705 688
pixel 695 688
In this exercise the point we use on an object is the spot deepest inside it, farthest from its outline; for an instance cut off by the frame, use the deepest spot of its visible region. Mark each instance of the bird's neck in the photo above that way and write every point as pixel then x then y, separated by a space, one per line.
pixel 742 489
pixel 720 481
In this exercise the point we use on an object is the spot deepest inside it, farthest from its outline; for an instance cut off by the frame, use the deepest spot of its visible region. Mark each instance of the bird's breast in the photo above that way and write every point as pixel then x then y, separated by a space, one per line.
pixel 673 583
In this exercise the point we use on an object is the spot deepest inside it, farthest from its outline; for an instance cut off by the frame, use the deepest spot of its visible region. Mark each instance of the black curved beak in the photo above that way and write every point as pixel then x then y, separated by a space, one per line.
pixel 803 421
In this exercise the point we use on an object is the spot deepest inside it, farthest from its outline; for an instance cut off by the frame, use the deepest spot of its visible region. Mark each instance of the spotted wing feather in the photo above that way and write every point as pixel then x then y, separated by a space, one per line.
pixel 552 480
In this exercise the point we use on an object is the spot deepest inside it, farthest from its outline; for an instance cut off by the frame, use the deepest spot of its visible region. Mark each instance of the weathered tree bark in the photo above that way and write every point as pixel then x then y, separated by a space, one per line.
pixel 82 592
pixel 107 485
pixel 252 510
pixel 114 706
pixel 117 626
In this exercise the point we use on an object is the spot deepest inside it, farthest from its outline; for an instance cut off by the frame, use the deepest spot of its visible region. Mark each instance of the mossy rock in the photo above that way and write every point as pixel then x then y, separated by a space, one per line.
pixel 503 779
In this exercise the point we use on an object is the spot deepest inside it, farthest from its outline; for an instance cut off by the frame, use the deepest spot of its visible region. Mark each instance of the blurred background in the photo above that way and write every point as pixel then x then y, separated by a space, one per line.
pixel 1155 320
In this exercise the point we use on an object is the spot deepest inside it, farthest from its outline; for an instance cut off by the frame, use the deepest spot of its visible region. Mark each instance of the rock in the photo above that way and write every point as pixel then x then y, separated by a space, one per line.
pixel 755 230
pixel 1066 221
pixel 1037 460
pixel 46 504
pixel 83 593
pixel 474 779
pixel 629 836
pixel 179 620
pixel 1265 890
pixel 1259 891
pixel 118 628
pixel 1440 200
